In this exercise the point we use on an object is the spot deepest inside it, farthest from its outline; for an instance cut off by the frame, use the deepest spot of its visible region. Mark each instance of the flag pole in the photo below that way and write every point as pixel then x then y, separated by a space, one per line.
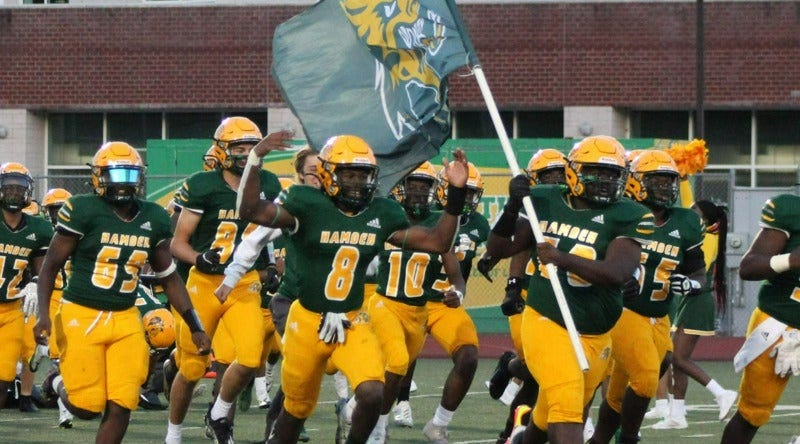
pixel 531 214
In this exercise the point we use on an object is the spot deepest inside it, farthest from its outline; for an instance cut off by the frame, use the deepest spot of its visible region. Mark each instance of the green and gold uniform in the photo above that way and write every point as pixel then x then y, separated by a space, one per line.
pixel 104 355
pixel 641 336
pixel 17 249
pixel 207 194
pixel 760 388
pixel 332 250
pixel 397 308
pixel 453 328
pixel 564 387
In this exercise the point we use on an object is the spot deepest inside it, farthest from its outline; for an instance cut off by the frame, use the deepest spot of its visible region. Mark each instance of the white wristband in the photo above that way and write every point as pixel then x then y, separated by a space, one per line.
pixel 253 159
pixel 460 295
pixel 780 263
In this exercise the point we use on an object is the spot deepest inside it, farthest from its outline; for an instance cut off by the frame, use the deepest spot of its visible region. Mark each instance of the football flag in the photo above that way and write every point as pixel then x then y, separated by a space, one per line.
pixel 375 69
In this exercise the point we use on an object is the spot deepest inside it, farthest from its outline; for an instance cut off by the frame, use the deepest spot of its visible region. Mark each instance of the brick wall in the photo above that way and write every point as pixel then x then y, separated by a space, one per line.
pixel 536 56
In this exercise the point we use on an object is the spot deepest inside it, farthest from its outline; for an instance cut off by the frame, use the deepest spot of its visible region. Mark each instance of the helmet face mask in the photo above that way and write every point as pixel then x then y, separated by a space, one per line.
pixel 16 187
pixel 230 137
pixel 653 180
pixel 212 159
pixel 416 191
pixel 596 170
pixel 118 173
pixel 348 172
pixel 474 189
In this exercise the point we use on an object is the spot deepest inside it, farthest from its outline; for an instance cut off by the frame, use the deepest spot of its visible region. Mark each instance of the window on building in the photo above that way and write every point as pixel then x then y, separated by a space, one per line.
pixel 778 137
pixel 478 124
pixel 73 138
pixel 134 128
pixel 660 124
pixel 727 135
pixel 540 124
pixel 192 125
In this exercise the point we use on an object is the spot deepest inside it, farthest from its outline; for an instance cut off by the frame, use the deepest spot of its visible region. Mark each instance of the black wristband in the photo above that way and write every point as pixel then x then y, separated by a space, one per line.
pixel 506 224
pixel 455 200
pixel 512 283
pixel 192 321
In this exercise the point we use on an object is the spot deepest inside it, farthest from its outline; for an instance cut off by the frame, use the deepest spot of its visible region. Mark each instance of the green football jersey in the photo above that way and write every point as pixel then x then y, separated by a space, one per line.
pixel 473 231
pixel 409 276
pixel 586 233
pixel 17 249
pixel 328 253
pixel 682 231
pixel 779 297
pixel 111 251
pixel 146 300
pixel 206 193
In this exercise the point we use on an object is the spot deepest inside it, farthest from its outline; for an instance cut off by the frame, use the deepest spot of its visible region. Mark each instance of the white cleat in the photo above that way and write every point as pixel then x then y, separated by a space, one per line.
pixel 669 423
pixel 378 436
pixel 436 434
pixel 657 413
pixel 725 402
pixel 402 414
pixel 588 429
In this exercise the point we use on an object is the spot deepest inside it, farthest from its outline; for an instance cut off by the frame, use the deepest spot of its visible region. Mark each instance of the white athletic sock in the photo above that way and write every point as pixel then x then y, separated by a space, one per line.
pixel 174 432
pixel 510 392
pixel 715 388
pixel 220 409
pixel 662 404
pixel 351 404
pixel 678 409
pixel 260 383
pixel 382 421
pixel 442 417
pixel 56 381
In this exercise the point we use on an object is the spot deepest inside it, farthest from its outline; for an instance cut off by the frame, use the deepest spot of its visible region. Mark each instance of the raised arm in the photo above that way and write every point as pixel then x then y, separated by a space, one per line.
pixel 249 203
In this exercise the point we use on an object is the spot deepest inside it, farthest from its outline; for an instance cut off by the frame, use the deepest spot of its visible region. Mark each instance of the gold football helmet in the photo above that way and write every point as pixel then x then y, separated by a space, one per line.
pixel 416 190
pixel 16 187
pixel 234 131
pixel 653 179
pixel 53 200
pixel 33 209
pixel 212 159
pixel 117 172
pixel 474 189
pixel 596 169
pixel 546 167
pixel 348 171
pixel 159 328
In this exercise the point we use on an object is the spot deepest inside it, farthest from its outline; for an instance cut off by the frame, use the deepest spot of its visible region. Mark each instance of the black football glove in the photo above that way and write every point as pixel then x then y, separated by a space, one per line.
pixel 630 290
pixel 273 279
pixel 485 265
pixel 681 285
pixel 513 303
pixel 518 188
pixel 208 261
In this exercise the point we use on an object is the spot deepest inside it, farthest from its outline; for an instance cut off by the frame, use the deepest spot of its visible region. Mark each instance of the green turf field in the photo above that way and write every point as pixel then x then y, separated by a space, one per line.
pixel 477 421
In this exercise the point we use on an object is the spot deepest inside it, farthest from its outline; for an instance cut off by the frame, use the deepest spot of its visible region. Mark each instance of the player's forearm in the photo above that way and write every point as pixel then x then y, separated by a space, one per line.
pixel 44 290
pixel 183 251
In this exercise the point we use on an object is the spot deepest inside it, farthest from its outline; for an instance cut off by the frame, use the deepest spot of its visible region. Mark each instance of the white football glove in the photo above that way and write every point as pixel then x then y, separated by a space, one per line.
pixel 332 326
pixel 30 306
pixel 787 354
pixel 681 285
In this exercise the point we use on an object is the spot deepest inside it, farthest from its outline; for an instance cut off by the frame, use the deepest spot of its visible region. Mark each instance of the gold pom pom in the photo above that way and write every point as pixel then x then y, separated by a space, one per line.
pixel 691 157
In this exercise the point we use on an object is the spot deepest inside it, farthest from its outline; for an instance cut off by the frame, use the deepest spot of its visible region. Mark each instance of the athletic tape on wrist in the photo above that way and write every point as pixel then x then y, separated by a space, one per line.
pixel 780 263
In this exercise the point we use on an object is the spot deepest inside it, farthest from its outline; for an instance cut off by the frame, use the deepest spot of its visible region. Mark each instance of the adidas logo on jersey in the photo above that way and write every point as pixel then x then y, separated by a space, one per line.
pixel 474 233
pixel 73 323
pixel 374 223
pixel 146 226
pixel 31 236
pixel 675 233
pixel 598 219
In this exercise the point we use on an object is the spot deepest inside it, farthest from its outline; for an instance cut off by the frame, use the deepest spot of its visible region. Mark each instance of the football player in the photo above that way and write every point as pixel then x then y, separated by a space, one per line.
pixel 207 231
pixel 546 167
pixel 406 280
pixel 771 352
pixel 640 337
pixel 53 200
pixel 26 240
pixel 594 239
pixel 109 235
pixel 335 232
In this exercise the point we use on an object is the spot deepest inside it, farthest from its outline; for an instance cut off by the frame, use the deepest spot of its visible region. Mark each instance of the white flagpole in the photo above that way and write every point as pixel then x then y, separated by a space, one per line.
pixel 531 214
